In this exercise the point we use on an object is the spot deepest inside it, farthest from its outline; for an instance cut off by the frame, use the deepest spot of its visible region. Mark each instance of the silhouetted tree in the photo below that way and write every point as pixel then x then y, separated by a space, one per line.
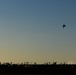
pixel 35 63
pixel 54 63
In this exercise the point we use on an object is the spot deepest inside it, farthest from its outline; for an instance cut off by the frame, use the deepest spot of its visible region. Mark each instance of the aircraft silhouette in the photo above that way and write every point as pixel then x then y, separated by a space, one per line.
pixel 64 25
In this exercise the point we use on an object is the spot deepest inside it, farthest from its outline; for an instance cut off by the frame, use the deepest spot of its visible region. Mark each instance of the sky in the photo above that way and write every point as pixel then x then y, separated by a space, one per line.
pixel 31 31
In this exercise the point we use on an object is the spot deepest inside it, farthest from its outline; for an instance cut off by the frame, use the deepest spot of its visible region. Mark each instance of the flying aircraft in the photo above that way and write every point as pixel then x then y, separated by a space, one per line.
pixel 64 25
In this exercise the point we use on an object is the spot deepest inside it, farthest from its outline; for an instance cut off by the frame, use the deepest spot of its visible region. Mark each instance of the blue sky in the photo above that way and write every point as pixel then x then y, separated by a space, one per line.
pixel 31 30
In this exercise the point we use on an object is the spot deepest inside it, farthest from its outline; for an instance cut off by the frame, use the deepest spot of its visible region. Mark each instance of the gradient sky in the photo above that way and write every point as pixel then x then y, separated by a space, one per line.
pixel 31 30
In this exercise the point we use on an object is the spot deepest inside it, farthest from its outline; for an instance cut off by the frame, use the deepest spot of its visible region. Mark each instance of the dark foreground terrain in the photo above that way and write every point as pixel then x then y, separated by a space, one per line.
pixel 37 69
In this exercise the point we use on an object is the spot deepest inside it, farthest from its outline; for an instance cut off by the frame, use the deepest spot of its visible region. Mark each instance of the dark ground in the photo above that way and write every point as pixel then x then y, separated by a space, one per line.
pixel 37 69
